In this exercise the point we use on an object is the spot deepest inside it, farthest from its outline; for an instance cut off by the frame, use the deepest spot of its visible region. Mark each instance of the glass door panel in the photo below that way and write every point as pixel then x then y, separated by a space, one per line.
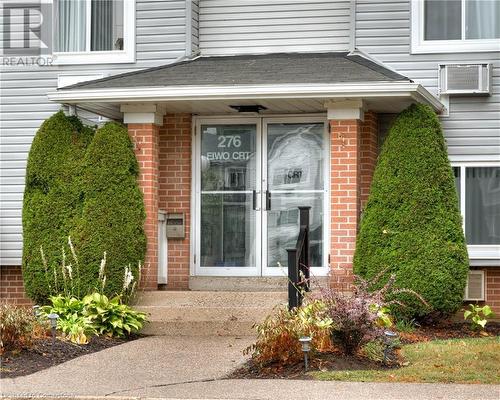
pixel 295 165
pixel 228 194
pixel 283 226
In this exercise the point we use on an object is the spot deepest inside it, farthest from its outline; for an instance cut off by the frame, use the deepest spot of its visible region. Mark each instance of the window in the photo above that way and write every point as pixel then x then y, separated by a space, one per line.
pixel 445 26
pixel 94 31
pixel 478 189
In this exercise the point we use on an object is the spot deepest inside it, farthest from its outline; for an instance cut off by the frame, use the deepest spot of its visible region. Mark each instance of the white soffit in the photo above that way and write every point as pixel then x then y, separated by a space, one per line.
pixel 371 93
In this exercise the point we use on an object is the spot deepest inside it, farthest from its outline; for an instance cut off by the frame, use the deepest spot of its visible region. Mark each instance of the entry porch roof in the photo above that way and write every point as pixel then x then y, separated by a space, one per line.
pixel 283 83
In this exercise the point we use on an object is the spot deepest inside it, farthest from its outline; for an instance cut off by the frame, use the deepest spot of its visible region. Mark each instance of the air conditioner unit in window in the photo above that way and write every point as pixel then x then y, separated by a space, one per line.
pixel 460 79
pixel 474 289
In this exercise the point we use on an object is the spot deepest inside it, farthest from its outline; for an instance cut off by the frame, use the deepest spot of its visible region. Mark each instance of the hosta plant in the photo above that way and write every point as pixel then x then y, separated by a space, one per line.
pixel 71 322
pixel 111 317
pixel 64 306
pixel 76 328
pixel 95 314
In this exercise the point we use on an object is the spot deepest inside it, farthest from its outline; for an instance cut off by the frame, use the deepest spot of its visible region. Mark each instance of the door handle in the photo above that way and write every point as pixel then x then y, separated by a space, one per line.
pixel 254 199
pixel 268 200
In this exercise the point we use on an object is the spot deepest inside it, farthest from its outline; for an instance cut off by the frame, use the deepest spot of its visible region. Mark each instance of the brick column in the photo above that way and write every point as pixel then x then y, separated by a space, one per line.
pixel 354 151
pixel 145 139
pixel 175 191
pixel 345 196
pixel 369 153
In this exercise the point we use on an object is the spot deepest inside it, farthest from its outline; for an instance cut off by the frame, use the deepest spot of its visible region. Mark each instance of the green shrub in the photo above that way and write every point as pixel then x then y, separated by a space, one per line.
pixel 411 226
pixel 52 200
pixel 113 211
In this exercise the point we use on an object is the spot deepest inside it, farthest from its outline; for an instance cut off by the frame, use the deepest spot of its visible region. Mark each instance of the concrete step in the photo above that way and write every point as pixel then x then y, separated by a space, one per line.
pixel 199 313
pixel 247 284
pixel 191 298
pixel 199 328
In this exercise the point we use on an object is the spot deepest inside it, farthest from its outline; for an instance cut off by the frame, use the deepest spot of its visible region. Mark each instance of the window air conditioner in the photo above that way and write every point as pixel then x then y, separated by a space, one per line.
pixel 461 79
pixel 474 290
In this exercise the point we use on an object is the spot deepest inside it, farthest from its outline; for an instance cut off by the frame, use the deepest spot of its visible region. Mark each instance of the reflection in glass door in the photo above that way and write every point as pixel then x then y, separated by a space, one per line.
pixel 228 196
pixel 248 193
pixel 294 176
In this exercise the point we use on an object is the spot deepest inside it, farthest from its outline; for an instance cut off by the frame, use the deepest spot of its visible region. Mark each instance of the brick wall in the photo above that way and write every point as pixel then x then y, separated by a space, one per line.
pixel 11 286
pixel 175 191
pixel 354 151
pixel 145 139
pixel 493 289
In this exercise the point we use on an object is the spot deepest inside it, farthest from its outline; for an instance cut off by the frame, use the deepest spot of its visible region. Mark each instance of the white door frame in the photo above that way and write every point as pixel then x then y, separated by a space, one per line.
pixel 315 271
pixel 260 269
pixel 196 222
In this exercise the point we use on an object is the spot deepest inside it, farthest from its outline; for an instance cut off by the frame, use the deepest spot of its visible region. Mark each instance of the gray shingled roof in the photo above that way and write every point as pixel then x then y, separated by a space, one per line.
pixel 283 68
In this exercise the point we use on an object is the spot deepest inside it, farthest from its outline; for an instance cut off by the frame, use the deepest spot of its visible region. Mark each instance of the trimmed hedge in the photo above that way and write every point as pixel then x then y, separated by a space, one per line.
pixel 52 198
pixel 113 210
pixel 411 225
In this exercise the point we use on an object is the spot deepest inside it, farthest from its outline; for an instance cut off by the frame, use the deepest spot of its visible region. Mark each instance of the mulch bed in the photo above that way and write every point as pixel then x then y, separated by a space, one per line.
pixel 43 355
pixel 451 330
pixel 335 361
pixel 331 361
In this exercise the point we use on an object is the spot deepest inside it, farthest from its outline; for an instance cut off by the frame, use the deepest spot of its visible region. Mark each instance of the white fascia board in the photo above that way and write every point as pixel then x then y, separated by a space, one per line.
pixel 199 93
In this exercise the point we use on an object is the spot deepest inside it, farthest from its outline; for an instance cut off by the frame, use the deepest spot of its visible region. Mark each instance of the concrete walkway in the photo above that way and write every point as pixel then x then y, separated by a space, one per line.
pixel 191 368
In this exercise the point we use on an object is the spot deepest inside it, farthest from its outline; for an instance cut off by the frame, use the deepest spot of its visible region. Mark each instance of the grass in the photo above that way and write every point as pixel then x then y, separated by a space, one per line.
pixel 405 326
pixel 448 361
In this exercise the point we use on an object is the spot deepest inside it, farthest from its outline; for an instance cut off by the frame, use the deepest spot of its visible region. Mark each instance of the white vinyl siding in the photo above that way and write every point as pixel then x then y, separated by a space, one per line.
pixel 195 36
pixel 472 130
pixel 160 38
pixel 267 26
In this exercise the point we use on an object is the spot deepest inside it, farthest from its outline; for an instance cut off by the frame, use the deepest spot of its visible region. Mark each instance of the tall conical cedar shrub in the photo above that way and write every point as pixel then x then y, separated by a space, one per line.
pixel 53 200
pixel 411 226
pixel 113 210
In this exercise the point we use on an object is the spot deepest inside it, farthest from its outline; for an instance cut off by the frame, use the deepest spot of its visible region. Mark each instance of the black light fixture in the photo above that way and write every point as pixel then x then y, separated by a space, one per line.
pixel 253 108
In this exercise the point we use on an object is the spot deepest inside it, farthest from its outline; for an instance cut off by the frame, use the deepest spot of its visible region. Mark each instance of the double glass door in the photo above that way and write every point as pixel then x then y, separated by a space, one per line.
pixel 251 177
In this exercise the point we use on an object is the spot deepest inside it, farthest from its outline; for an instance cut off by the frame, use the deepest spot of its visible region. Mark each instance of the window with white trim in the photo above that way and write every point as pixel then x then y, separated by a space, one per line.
pixel 478 188
pixel 94 31
pixel 446 26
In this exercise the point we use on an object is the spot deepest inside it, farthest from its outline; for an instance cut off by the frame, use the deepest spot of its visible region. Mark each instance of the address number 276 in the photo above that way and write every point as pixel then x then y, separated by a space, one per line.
pixel 229 141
